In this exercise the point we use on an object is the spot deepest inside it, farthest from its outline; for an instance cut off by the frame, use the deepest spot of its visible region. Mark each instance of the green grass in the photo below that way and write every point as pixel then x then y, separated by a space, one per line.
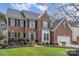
pixel 33 51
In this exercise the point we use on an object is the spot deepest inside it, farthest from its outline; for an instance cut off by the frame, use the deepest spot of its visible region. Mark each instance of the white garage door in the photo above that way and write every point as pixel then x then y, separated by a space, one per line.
pixel 63 39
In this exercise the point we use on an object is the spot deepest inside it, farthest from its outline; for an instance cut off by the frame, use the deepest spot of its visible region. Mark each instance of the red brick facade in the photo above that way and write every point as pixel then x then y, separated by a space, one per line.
pixel 60 31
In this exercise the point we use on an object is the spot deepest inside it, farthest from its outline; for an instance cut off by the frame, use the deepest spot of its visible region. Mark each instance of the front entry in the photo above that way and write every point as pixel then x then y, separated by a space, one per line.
pixel 32 36
pixel 45 37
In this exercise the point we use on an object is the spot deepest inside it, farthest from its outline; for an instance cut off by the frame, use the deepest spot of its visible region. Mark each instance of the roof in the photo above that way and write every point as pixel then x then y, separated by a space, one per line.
pixel 14 13
pixel 56 22
pixel 30 15
pixel 74 23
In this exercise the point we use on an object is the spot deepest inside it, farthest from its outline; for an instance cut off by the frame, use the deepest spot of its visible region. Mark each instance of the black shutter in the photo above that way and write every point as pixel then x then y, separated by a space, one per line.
pixel 18 34
pixel 28 23
pixel 24 23
pixel 24 34
pixel 18 22
pixel 8 34
pixel 36 24
pixel 15 22
pixel 15 34
pixel 9 21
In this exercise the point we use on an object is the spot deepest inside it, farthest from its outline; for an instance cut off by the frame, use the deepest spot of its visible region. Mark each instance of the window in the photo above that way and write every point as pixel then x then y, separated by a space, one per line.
pixel 21 23
pixel 45 24
pixel 46 36
pixel 31 24
pixel 12 22
pixel 12 34
pixel 32 36
pixel 21 34
pixel 64 24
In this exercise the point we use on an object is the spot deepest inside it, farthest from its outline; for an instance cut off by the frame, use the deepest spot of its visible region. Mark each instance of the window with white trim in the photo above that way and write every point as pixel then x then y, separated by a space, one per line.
pixel 21 34
pixel 21 23
pixel 12 34
pixel 46 36
pixel 45 24
pixel 12 22
pixel 31 24
pixel 32 36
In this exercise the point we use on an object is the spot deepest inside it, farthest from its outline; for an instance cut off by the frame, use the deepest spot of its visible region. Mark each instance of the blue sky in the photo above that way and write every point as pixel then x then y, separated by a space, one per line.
pixel 54 9
pixel 4 7
pixel 30 7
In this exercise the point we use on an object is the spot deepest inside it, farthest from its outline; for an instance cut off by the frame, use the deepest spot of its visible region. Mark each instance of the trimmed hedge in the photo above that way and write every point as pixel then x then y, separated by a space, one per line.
pixel 12 39
pixel 21 39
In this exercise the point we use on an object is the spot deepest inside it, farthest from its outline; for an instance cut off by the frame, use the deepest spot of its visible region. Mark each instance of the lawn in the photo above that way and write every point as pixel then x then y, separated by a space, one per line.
pixel 33 51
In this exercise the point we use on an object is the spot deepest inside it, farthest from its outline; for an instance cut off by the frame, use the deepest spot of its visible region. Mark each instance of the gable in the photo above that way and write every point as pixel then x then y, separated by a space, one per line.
pixel 64 26
pixel 59 24
pixel 44 17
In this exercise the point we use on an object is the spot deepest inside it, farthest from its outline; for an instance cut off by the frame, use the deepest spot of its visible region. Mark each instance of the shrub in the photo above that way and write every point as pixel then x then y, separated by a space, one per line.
pixel 21 39
pixel 12 39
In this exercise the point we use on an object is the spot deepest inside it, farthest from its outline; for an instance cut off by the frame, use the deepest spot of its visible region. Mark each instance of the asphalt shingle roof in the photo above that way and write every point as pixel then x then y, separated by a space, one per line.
pixel 30 15
pixel 12 13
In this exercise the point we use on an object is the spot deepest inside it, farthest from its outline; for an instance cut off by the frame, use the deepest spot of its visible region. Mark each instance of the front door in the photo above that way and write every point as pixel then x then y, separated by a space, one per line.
pixel 32 36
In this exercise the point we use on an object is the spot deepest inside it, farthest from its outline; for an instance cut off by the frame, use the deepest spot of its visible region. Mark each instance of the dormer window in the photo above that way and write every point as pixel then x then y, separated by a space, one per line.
pixel 45 24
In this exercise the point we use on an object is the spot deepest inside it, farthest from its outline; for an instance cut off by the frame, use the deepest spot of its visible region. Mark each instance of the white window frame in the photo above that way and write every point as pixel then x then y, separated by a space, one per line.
pixel 45 24
pixel 21 34
pixel 45 36
pixel 12 22
pixel 34 33
pixel 32 24
pixel 12 34
pixel 21 23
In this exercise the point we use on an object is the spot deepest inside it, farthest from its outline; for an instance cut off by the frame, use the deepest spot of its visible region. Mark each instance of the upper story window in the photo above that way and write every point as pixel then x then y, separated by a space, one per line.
pixel 45 24
pixel 31 24
pixel 22 23
pixel 12 22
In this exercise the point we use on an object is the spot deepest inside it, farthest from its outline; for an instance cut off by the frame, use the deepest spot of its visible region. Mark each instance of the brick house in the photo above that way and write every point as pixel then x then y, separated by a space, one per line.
pixel 36 28
pixel 61 32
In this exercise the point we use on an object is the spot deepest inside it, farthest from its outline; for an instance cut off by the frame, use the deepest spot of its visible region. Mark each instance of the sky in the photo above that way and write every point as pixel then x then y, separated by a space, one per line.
pixel 54 9
pixel 37 8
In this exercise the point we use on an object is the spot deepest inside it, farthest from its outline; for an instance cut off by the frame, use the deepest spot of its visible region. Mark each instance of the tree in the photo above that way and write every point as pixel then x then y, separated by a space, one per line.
pixel 3 22
pixel 3 17
pixel 2 36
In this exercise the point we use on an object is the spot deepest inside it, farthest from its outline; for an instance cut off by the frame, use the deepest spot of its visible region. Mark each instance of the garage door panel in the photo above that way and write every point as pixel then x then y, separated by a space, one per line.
pixel 63 39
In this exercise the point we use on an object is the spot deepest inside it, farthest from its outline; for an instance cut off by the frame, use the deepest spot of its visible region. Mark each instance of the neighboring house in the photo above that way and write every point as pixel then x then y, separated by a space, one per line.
pixel 75 31
pixel 61 32
pixel 36 28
